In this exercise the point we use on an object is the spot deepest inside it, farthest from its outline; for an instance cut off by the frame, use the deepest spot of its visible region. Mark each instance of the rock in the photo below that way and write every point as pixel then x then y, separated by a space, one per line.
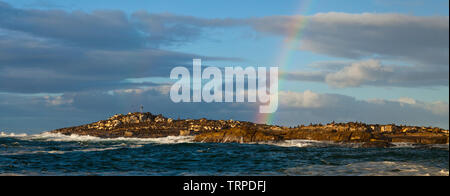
pixel 377 144
pixel 237 135
pixel 185 132
pixel 360 136
pixel 133 119
pixel 421 139
pixel 116 123
pixel 128 134
pixel 160 118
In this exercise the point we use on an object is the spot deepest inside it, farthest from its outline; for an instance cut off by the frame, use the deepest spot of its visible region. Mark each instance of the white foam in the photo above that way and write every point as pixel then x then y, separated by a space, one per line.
pixel 313 143
pixel 300 143
pixel 310 143
pixel 113 143
pixel 413 145
pixel 58 137
pixel 382 168
pixel 404 145
pixel 3 134
pixel 39 150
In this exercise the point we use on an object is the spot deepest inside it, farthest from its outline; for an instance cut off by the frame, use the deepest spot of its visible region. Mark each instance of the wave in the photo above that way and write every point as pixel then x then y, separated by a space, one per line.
pixel 58 137
pixel 94 149
pixel 412 145
pixel 318 144
pixel 383 168
pixel 301 143
pixel 313 143
pixel 86 143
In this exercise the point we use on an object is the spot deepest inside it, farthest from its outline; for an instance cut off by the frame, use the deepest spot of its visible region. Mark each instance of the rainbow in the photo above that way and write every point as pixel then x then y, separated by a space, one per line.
pixel 288 47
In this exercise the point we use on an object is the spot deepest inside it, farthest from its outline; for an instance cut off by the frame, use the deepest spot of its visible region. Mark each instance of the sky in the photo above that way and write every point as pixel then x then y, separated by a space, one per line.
pixel 67 63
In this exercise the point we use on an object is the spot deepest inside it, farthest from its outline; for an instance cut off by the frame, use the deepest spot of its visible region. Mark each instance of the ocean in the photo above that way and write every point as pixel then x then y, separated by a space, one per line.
pixel 56 154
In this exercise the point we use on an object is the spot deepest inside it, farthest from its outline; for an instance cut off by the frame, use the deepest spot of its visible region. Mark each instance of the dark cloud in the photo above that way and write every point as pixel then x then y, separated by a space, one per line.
pixel 106 29
pixel 99 29
pixel 168 28
pixel 423 40
pixel 77 47
pixel 32 65
pixel 58 51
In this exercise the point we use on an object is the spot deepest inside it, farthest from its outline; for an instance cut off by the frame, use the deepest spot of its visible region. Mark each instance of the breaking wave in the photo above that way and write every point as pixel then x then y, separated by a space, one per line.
pixel 382 168
pixel 321 144
pixel 58 154
pixel 301 143
pixel 58 137
pixel 412 145
pixel 80 143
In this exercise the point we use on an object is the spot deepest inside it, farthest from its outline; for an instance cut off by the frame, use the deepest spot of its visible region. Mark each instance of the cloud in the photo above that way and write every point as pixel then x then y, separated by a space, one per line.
pixel 358 73
pixel 372 72
pixel 305 107
pixel 99 29
pixel 57 100
pixel 438 107
pixel 160 89
pixel 108 29
pixel 415 39
pixel 307 99
pixel 34 65
pixel 107 46
pixel 54 111
pixel 54 51
pixel 169 29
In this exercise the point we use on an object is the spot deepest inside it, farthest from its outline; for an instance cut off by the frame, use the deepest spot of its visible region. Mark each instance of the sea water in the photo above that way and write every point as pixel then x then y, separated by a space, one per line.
pixel 56 154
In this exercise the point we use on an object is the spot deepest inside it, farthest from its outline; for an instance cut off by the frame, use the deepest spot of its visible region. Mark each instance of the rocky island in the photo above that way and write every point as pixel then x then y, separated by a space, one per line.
pixel 147 125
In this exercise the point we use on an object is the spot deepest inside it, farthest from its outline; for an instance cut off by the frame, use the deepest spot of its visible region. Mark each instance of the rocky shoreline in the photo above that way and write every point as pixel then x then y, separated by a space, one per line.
pixel 147 125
